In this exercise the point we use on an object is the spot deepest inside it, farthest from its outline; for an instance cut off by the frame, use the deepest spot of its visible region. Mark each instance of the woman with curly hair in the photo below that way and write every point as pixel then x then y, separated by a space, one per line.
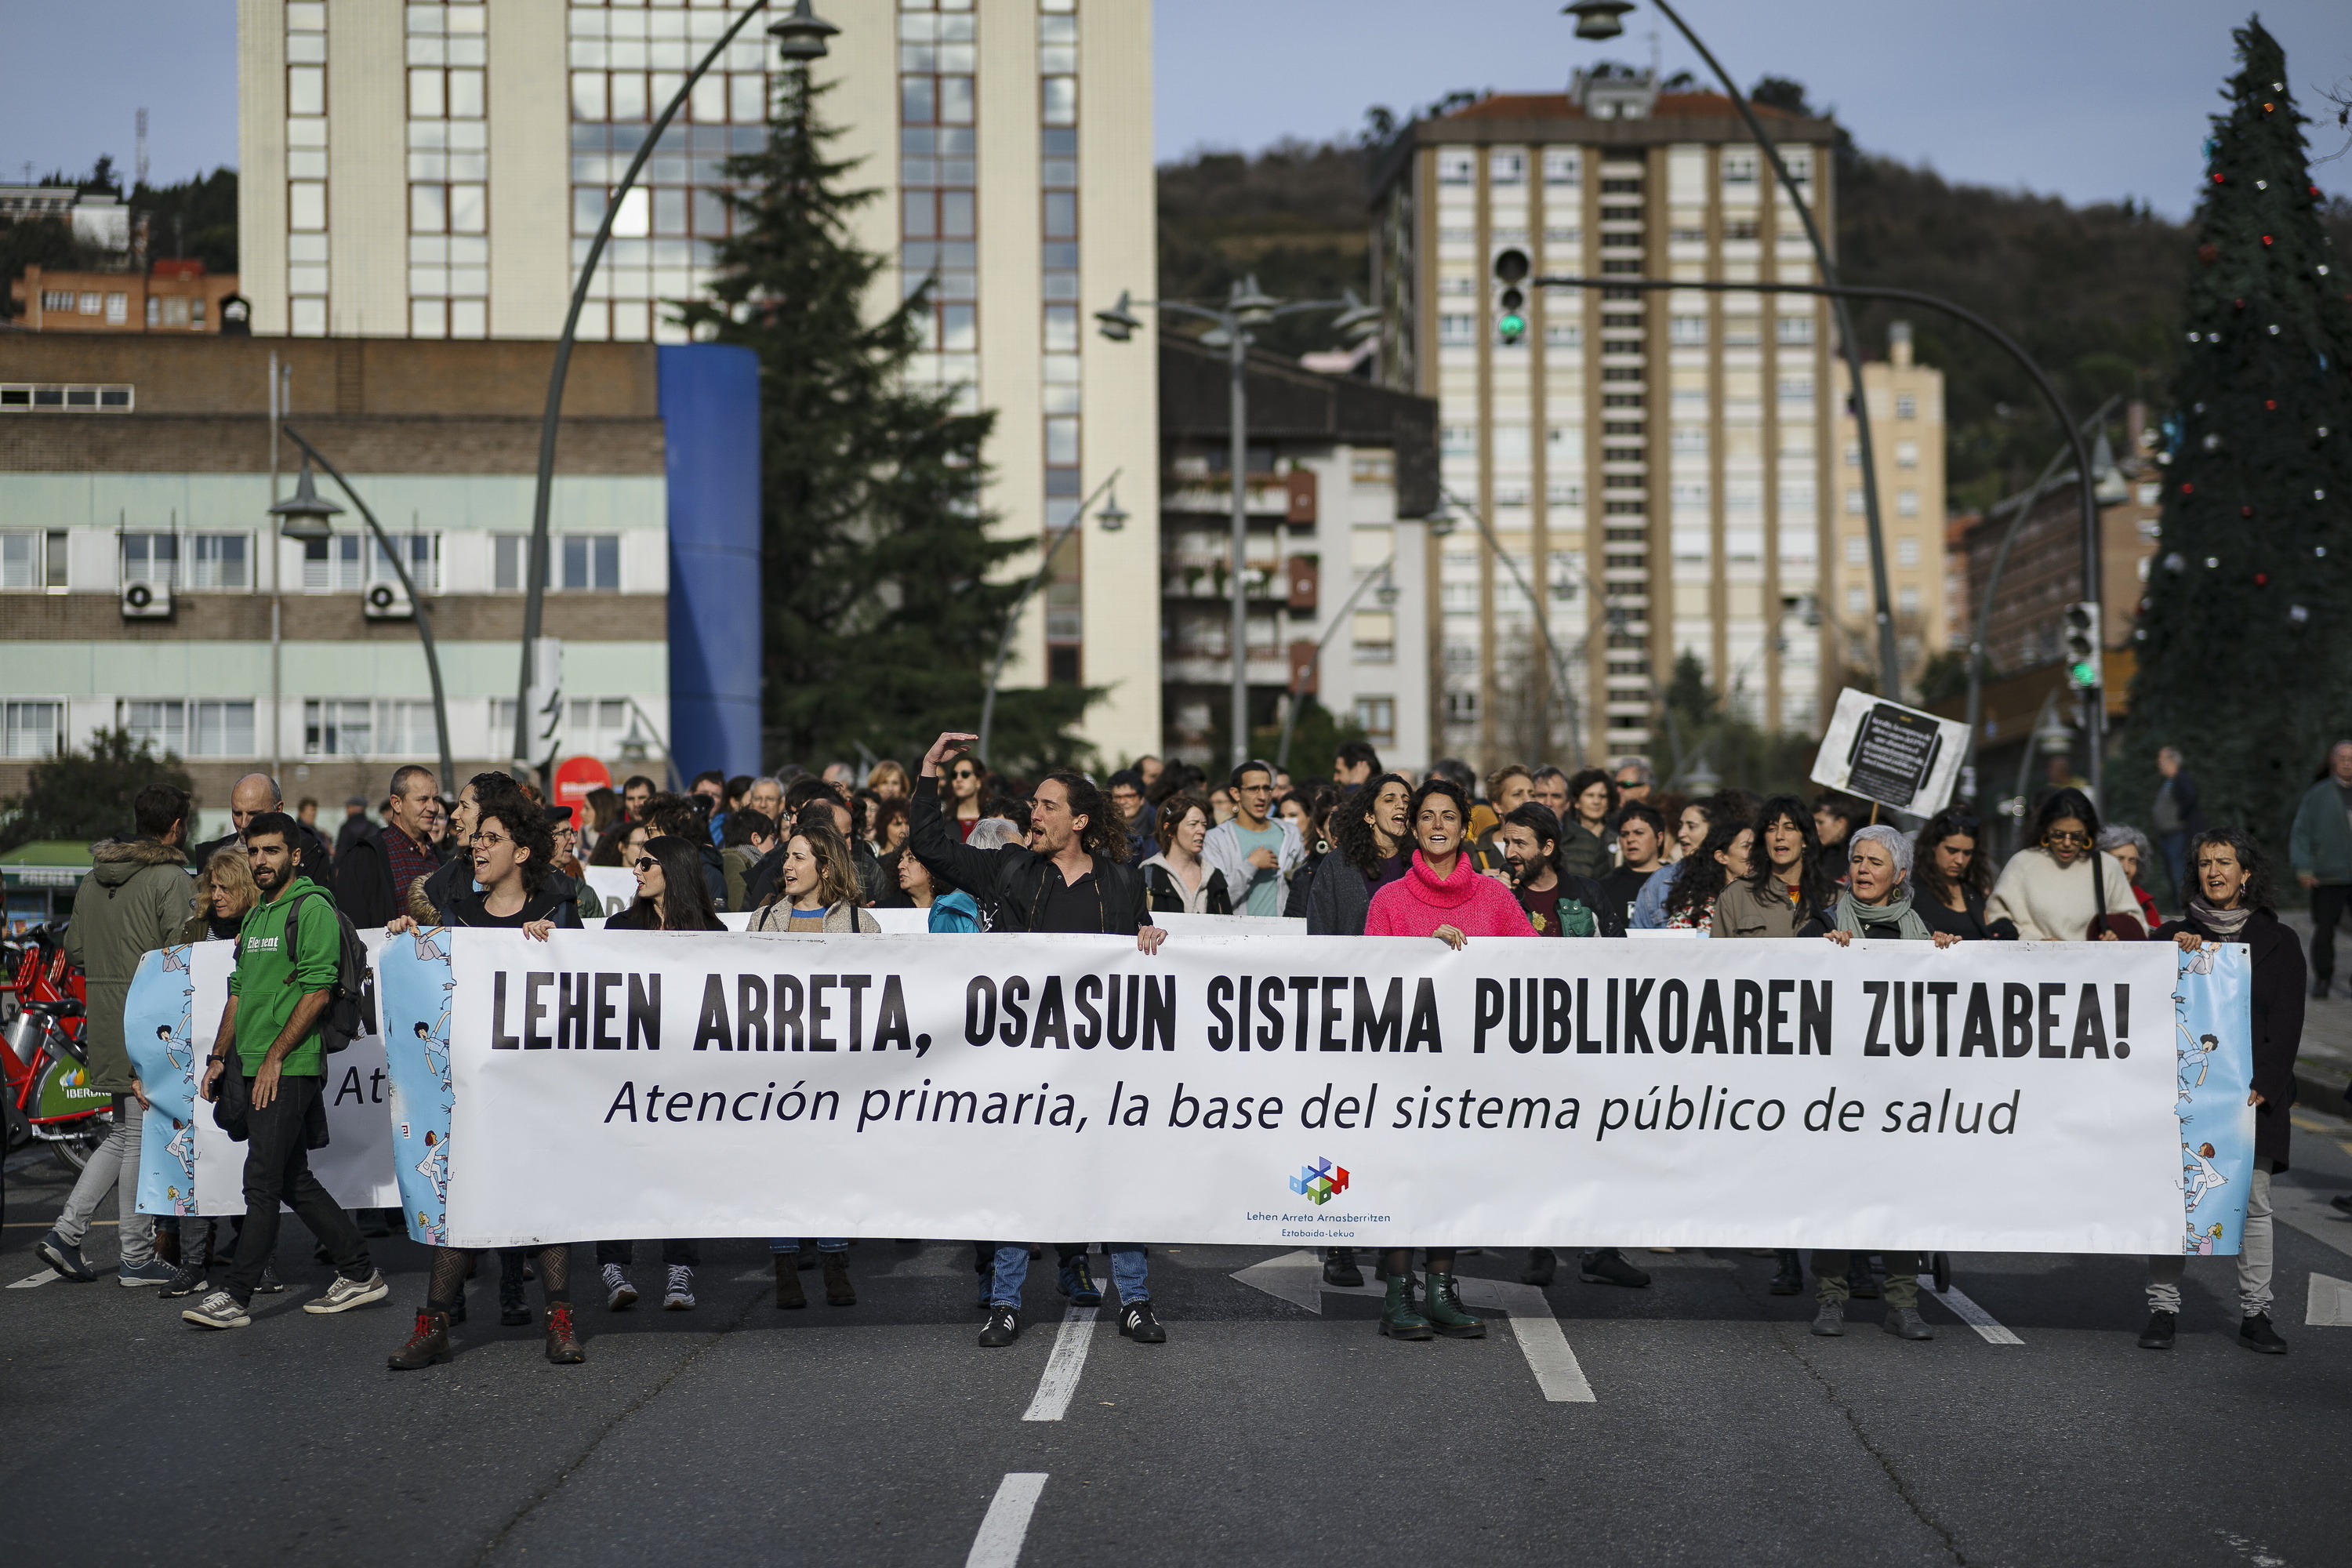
pixel 1369 839
pixel 1719 861
pixel 1952 879
pixel 1785 893
pixel 817 889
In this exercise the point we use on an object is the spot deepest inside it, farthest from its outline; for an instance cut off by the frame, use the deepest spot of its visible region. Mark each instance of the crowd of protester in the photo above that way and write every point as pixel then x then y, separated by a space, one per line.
pixel 1525 852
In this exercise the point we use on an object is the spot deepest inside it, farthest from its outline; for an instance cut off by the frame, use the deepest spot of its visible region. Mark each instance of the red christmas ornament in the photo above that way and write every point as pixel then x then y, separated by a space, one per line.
pixel 2245 511
pixel 2217 177
pixel 2266 239
pixel 2262 579
pixel 2209 254
pixel 2240 304
pixel 2187 489
pixel 2270 403
pixel 2266 107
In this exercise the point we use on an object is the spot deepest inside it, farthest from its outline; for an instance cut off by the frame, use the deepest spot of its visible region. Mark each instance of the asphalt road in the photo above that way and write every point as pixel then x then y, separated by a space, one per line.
pixel 1717 1429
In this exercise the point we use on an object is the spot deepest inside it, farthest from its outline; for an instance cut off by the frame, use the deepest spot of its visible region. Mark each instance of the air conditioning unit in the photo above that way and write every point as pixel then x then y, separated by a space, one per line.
pixel 387 602
pixel 147 602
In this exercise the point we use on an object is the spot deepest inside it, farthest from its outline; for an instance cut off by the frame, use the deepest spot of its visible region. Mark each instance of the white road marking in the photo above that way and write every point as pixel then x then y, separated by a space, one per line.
pixel 1002 1533
pixel 1298 1277
pixel 1062 1368
pixel 1987 1326
pixel 2296 1205
pixel 43 1278
pixel 2329 1305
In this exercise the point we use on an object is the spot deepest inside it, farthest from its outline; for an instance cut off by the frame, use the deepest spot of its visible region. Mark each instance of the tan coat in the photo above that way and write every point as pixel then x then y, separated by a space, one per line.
pixel 1744 911
pixel 839 921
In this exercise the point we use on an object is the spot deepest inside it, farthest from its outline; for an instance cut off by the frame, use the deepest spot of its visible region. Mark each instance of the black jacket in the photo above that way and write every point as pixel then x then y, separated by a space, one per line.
pixel 1608 913
pixel 2278 988
pixel 364 880
pixel 549 903
pixel 1969 924
pixel 1165 894
pixel 448 889
pixel 1012 879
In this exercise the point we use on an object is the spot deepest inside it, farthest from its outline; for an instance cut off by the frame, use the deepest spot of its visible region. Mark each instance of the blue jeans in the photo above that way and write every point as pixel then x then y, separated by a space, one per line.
pixel 1129 1271
pixel 793 1244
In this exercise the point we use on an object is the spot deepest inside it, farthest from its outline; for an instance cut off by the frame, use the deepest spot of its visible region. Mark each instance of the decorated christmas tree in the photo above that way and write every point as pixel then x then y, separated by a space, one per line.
pixel 2244 639
pixel 883 584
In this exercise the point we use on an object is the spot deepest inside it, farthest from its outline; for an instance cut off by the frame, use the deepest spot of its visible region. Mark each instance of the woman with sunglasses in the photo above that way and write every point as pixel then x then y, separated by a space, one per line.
pixel 966 791
pixel 511 854
pixel 2062 889
pixel 672 894
pixel 1951 879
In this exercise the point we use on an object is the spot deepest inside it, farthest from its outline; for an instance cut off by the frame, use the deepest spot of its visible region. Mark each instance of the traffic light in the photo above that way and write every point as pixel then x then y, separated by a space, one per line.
pixel 2082 644
pixel 1511 303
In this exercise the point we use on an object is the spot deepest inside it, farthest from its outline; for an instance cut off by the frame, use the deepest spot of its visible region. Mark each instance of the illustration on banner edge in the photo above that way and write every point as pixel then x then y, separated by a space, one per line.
pixel 416 992
pixel 2215 1137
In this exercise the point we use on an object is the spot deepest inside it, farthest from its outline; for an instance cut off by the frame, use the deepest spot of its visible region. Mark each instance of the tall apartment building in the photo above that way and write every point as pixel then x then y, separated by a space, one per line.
pixel 1907 435
pixel 1655 463
pixel 437 169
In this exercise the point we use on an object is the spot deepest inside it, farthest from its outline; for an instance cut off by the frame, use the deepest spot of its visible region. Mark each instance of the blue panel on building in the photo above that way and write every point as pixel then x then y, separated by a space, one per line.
pixel 710 416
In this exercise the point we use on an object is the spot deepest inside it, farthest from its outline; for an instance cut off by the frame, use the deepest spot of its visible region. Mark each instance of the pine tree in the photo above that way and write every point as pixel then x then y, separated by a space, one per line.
pixel 2245 639
pixel 882 607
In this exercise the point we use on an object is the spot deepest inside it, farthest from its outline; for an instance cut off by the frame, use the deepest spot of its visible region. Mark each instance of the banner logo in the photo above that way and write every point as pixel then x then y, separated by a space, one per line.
pixel 1320 1183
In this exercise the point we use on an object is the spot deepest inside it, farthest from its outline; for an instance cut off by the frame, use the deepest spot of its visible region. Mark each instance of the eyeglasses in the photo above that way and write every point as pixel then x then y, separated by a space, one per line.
pixel 962 774
pixel 2066 836
pixel 646 863
pixel 489 840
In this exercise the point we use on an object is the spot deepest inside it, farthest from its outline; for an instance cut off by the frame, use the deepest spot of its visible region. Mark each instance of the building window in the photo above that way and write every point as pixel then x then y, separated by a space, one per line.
pixel 1906 454
pixel 591 561
pixel 1795 330
pixel 347 562
pixel 1906 601
pixel 25 556
pixel 1457 168
pixel 1458 440
pixel 219 560
pixel 1907 550
pixel 1504 168
pixel 34 729
pixel 1739 168
pixel 1686 330
pixel 1376 716
pixel 1853 503
pixel 152 558
pixel 190 729
pixel 1561 168
pixel 306 168
pixel 1563 335
pixel 1857 551
pixel 1857 601
pixel 1796 390
pixel 1907 406
pixel 337 729
pixel 1907 503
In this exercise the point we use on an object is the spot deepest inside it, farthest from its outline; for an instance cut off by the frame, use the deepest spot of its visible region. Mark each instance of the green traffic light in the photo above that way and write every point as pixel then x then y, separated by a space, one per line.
pixel 1512 327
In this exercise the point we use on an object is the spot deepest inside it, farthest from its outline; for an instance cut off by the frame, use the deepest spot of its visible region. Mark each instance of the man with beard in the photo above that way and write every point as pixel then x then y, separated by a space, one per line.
pixel 1560 905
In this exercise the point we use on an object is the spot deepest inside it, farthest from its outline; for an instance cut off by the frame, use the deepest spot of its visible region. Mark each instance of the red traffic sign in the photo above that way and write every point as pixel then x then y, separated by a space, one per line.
pixel 574 777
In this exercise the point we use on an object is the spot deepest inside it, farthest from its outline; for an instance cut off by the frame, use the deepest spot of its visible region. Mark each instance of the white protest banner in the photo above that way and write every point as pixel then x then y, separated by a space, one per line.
pixel 188 1165
pixel 1992 1096
pixel 1895 755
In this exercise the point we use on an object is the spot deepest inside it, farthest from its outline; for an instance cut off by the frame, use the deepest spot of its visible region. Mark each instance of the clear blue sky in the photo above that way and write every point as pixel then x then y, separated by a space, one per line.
pixel 2087 99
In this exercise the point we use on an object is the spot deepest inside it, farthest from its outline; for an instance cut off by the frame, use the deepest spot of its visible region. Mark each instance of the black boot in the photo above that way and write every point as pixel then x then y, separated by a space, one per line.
pixel 513 1310
pixel 1339 1268
pixel 1789 1279
pixel 1542 1263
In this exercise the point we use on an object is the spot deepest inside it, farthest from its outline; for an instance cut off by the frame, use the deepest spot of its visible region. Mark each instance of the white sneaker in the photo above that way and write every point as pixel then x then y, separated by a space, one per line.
pixel 342 1295
pixel 619 1294
pixel 217 1311
pixel 679 1297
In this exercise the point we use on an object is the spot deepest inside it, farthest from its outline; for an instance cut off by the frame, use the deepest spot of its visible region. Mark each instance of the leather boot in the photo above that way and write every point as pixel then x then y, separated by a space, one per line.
pixel 838 1290
pixel 514 1312
pixel 788 1280
pixel 428 1343
pixel 562 1341
pixel 1444 1310
pixel 1399 1319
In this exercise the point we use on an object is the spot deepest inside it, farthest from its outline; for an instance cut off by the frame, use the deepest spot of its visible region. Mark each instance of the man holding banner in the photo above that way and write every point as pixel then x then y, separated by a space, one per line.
pixel 1071 877
pixel 288 954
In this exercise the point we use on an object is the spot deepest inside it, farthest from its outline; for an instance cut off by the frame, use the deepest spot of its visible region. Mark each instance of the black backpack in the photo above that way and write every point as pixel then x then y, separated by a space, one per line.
pixel 350 1000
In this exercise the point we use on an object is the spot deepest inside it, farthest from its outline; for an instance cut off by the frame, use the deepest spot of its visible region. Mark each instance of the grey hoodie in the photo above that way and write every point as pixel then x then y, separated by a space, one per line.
pixel 131 903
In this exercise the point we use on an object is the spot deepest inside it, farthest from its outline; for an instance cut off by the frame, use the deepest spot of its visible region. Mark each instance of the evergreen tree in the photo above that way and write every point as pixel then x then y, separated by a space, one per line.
pixel 2245 636
pixel 882 605
pixel 79 797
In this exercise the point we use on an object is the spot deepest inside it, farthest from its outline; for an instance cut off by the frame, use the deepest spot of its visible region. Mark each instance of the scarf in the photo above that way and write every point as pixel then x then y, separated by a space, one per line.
pixel 2227 925
pixel 1895 911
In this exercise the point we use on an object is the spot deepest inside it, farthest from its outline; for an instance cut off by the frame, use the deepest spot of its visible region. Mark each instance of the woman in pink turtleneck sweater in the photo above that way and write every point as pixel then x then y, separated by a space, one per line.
pixel 1441 893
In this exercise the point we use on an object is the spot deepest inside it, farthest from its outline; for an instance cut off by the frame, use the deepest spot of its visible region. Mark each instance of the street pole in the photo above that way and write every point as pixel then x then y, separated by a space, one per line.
pixel 1543 624
pixel 1012 617
pixel 800 37
pixel 2095 717
pixel 423 617
pixel 277 546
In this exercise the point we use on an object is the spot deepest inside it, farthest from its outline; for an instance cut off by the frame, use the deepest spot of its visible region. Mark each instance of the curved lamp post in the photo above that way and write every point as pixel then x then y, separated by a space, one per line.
pixel 303 516
pixel 799 38
pixel 1113 518
pixel 1599 19
pixel 1246 307
pixel 1451 502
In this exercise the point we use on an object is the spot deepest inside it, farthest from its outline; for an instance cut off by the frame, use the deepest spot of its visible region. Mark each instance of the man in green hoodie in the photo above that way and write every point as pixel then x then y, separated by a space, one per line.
pixel 131 903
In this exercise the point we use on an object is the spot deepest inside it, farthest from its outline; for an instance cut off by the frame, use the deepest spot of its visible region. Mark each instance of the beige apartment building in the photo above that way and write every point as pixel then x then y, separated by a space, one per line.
pixel 1661 466
pixel 1906 436
pixel 437 169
